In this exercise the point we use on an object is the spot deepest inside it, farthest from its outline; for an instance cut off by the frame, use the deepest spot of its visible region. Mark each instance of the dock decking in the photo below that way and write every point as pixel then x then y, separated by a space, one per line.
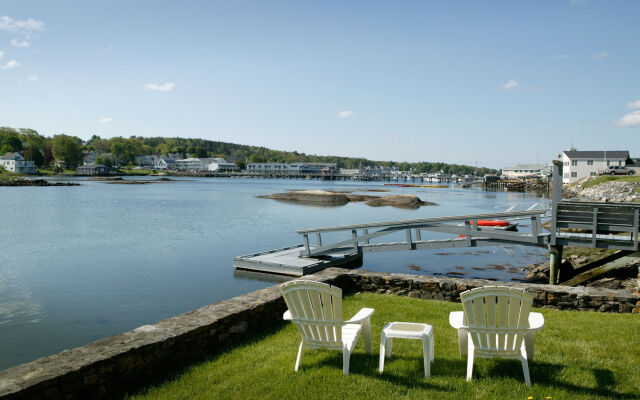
pixel 287 261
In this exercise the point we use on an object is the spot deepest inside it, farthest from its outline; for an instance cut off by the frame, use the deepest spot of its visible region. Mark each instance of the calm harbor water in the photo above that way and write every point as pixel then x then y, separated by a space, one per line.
pixel 81 263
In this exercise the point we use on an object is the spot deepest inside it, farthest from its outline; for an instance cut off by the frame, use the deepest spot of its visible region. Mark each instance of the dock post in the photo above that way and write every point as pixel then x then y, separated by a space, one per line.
pixel 555 251
pixel 555 259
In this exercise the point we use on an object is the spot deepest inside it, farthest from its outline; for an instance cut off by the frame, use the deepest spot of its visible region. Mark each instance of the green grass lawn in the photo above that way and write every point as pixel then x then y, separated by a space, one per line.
pixel 609 178
pixel 579 355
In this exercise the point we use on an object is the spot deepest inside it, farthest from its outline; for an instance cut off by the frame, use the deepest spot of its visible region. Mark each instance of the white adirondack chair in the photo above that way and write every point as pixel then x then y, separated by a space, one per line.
pixel 499 322
pixel 316 309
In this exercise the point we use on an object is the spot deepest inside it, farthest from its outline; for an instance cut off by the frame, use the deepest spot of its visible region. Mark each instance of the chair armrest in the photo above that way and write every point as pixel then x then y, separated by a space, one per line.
pixel 287 316
pixel 456 319
pixel 361 316
pixel 536 321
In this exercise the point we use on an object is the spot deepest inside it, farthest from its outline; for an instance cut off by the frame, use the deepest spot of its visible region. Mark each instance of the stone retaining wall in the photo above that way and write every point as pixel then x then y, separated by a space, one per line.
pixel 111 366
pixel 449 289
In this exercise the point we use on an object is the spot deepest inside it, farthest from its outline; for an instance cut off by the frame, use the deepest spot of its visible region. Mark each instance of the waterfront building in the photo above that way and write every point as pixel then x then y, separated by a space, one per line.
pixel 191 164
pixel 526 170
pixel 378 171
pixel 14 162
pixel 205 164
pixel 293 170
pixel 165 163
pixel 92 169
pixel 581 164
pixel 222 165
pixel 349 173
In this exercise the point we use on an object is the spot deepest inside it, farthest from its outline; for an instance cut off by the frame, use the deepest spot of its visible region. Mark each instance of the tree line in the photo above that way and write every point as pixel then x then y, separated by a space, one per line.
pixel 69 149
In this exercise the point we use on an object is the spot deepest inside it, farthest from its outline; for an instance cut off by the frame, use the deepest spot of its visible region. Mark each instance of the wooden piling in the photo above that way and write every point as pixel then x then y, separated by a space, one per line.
pixel 555 259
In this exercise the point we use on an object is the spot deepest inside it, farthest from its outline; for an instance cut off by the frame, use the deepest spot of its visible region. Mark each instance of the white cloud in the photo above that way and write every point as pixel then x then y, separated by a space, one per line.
pixel 1 54
pixel 24 26
pixel 33 78
pixel 165 87
pixel 511 84
pixel 634 104
pixel 599 56
pixel 345 114
pixel 10 65
pixel 17 43
pixel 104 120
pixel 631 119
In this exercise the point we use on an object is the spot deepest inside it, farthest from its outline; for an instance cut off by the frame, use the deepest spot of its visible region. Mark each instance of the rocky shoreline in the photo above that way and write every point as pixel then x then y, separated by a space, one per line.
pixel 626 277
pixel 612 191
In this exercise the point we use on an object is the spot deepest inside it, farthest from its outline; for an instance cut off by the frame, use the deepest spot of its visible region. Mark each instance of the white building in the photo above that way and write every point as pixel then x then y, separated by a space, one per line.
pixel 526 170
pixel 222 165
pixel 205 164
pixel 165 163
pixel 14 162
pixel 297 169
pixel 580 164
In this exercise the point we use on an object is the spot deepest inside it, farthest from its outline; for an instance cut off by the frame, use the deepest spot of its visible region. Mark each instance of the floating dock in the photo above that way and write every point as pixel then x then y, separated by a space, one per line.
pixel 287 261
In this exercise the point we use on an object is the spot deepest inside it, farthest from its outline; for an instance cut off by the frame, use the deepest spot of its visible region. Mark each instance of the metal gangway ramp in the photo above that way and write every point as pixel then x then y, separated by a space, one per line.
pixel 464 226
pixel 318 253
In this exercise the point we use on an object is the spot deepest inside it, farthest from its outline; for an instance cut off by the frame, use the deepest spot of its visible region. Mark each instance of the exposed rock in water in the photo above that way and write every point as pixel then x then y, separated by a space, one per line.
pixel 311 197
pixel 34 182
pixel 402 201
pixel 106 178
pixel 324 197
pixel 132 182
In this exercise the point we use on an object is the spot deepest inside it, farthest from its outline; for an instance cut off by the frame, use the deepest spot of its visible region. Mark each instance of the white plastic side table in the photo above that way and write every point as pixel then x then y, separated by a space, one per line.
pixel 407 330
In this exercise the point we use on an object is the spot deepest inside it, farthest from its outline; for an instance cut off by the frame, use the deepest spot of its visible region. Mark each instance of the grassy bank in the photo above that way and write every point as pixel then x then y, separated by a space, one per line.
pixel 579 355
pixel 608 178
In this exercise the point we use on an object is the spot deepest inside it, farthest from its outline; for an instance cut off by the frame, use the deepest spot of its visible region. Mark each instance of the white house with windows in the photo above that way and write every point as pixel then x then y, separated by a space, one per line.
pixel 580 164
pixel 526 170
pixel 14 162
pixel 222 165
pixel 165 163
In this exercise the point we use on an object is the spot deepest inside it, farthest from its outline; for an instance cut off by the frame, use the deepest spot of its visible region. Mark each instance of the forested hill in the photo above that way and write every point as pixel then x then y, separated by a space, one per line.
pixel 65 148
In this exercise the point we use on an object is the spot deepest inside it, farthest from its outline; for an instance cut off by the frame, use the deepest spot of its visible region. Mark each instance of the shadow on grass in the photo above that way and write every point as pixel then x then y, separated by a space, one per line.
pixel 411 374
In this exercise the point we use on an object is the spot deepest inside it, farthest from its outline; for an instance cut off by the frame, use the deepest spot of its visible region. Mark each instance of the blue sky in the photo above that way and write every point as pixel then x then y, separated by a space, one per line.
pixel 496 83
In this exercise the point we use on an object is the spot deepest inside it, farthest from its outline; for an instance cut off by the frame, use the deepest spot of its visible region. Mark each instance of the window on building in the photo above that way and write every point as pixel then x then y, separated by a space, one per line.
pixel 608 163
pixel 574 174
pixel 592 173
pixel 566 174
pixel 589 162
pixel 566 164
pixel 574 163
pixel 619 162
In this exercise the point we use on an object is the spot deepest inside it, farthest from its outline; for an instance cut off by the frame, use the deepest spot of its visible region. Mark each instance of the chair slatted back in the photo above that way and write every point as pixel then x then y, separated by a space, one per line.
pixel 497 317
pixel 316 309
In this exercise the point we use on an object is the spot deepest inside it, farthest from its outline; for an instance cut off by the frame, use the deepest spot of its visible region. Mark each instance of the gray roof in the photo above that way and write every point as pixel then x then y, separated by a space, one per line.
pixel 11 156
pixel 92 166
pixel 597 154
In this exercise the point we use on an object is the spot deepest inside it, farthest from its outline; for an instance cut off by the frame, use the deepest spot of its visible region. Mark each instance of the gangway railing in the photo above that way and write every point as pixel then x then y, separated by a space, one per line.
pixel 469 234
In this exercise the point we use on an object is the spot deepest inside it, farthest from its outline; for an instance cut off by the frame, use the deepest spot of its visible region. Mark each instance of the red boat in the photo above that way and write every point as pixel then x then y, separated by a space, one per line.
pixel 502 225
